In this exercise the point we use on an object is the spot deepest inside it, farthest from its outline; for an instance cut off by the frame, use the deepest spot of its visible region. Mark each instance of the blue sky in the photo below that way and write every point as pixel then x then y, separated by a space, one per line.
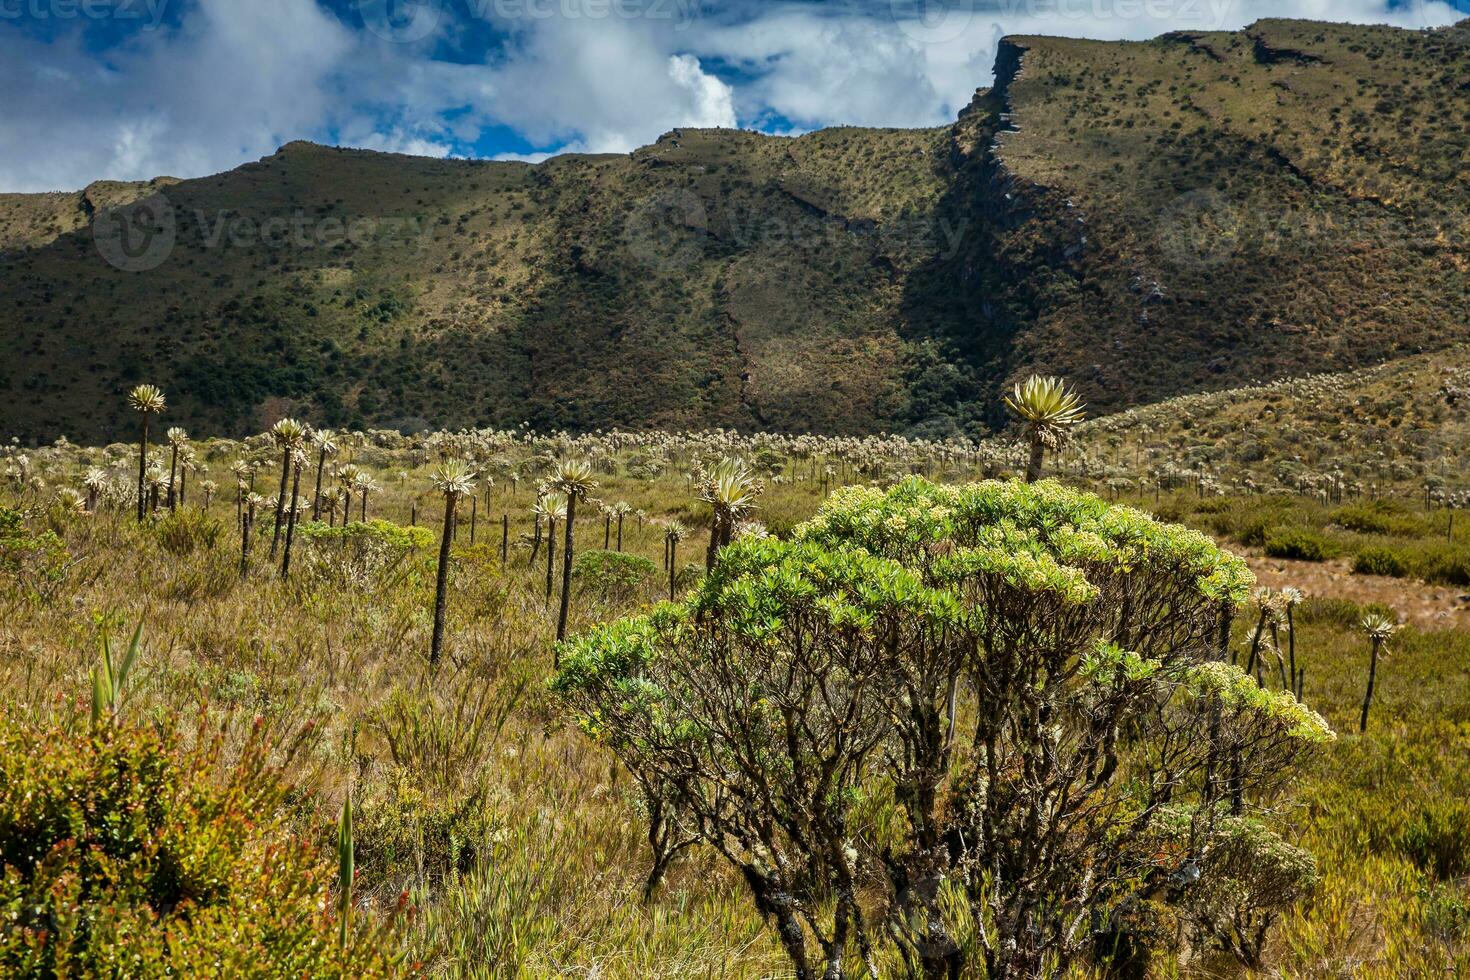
pixel 131 89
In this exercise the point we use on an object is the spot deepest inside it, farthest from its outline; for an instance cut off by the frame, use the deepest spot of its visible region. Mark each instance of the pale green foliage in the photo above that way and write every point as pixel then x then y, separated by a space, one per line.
pixel 454 478
pixel 147 399
pixel 802 677
pixel 1046 407
pixel 110 676
pixel 730 487
pixel 1378 627
pixel 288 433
pixel 572 477
pixel 1237 690
pixel 344 872
pixel 551 506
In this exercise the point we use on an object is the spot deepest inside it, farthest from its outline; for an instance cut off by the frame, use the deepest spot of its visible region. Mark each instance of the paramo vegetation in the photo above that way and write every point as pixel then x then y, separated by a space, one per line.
pixel 501 703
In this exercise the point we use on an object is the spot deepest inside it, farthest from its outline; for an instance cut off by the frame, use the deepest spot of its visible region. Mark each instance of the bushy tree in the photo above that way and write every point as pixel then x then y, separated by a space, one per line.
pixel 980 699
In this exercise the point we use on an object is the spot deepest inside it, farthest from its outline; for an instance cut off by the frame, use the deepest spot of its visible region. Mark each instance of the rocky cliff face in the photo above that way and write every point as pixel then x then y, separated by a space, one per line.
pixel 1204 209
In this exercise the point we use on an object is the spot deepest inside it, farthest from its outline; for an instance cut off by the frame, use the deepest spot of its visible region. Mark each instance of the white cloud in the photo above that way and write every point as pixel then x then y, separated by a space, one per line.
pixel 236 81
pixel 398 141
pixel 611 86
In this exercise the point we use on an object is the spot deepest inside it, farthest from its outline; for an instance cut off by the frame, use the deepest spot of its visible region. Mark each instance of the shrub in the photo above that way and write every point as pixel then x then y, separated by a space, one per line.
pixel 1437 838
pixel 359 553
pixel 1379 517
pixel 1378 560
pixel 185 532
pixel 1298 543
pixel 612 574
pixel 126 854
pixel 1329 611
pixel 1445 565
pixel 411 837
pixel 762 711
pixel 32 564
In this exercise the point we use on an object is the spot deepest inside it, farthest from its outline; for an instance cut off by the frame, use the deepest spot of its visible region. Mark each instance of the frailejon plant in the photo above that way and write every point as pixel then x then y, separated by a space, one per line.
pixel 94 483
pixel 1379 629
pixel 147 401
pixel 673 534
pixel 454 479
pixel 177 440
pixel 573 479
pixel 287 435
pixel 298 461
pixel 986 694
pixel 550 508
pixel 251 502
pixel 326 445
pixel 1047 410
pixel 731 491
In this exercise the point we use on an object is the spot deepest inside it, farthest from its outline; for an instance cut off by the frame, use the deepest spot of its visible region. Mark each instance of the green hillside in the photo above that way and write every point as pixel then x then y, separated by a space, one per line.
pixel 1190 213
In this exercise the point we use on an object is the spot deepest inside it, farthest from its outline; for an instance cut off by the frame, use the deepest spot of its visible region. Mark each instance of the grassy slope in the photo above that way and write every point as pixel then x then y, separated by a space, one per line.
pixel 1182 214
pixel 1394 428
pixel 575 293
pixel 1199 211
pixel 549 848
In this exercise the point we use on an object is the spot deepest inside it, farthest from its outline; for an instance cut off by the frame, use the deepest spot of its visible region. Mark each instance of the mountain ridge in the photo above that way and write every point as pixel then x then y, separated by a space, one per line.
pixel 1149 218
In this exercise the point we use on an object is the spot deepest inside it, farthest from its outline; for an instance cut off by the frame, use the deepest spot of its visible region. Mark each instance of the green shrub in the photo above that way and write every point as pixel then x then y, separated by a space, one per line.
pixel 1379 517
pixel 1437 839
pixel 1250 521
pixel 411 837
pixel 1378 560
pixel 32 564
pixel 1445 565
pixel 127 855
pixel 1329 611
pixel 359 553
pixel 612 574
pixel 186 532
pixel 1298 543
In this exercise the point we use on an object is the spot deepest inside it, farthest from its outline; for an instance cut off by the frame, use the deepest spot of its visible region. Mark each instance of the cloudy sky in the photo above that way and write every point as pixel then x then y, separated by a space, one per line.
pixel 131 89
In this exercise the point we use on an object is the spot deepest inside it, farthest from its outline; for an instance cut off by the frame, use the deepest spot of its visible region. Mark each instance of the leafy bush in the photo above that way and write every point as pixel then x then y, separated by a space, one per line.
pixel 897 597
pixel 1444 565
pixel 1379 517
pixel 1378 560
pixel 1248 875
pixel 32 564
pixel 1298 543
pixel 410 837
pixel 1437 838
pixel 1249 521
pixel 612 574
pixel 126 854
pixel 185 532
pixel 1329 611
pixel 359 553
